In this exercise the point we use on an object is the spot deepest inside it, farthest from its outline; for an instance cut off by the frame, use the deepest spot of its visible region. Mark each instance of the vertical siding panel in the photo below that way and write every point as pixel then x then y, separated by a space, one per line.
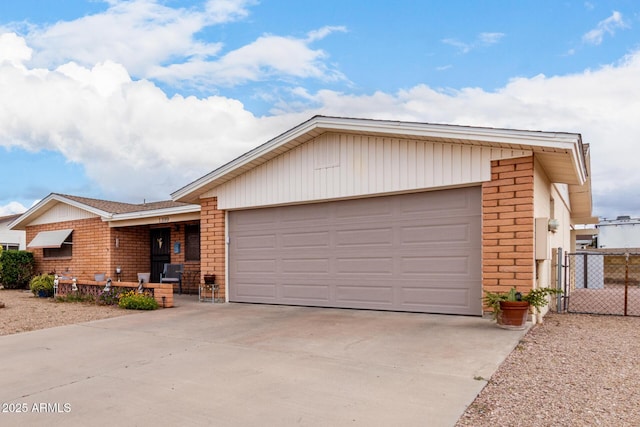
pixel 447 166
pixel 428 166
pixel 395 164
pixel 412 179
pixel 387 166
pixel 420 167
pixel 456 164
pixel 437 164
pixel 403 163
pixel 379 164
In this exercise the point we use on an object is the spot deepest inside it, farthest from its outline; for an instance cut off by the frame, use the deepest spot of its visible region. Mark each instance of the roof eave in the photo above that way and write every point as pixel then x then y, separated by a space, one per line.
pixel 192 208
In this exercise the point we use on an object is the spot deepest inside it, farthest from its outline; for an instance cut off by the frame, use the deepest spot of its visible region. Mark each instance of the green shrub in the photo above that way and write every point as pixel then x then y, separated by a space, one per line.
pixel 109 297
pixel 135 301
pixel 42 285
pixel 17 269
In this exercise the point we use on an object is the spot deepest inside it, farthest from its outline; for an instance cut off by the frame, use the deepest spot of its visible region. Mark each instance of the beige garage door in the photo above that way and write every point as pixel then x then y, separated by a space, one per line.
pixel 413 252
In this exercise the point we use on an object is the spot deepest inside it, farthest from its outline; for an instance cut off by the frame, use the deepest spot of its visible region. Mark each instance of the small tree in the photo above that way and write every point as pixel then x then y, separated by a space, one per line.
pixel 17 268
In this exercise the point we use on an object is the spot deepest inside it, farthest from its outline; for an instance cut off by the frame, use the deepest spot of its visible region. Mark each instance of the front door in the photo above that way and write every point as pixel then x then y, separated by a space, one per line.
pixel 160 251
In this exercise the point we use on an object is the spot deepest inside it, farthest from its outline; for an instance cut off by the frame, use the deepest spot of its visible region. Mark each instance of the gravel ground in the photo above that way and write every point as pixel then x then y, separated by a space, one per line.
pixel 573 370
pixel 24 312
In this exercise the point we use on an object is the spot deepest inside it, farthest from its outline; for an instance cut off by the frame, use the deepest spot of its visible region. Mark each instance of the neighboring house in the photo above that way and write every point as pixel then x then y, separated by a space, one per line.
pixel 620 233
pixel 11 239
pixel 389 215
pixel 79 237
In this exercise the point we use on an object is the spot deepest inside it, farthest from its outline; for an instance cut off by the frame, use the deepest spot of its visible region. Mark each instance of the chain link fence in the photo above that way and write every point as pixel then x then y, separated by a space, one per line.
pixel 602 283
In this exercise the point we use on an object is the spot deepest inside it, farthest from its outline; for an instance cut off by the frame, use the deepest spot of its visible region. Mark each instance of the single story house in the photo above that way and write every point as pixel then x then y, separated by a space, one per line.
pixel 391 215
pixel 11 239
pixel 80 237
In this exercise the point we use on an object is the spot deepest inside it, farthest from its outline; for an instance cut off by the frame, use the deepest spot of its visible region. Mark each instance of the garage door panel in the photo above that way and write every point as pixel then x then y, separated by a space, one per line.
pixel 365 296
pixel 414 252
pixel 440 300
pixel 256 291
pixel 256 266
pixel 365 266
pixel 308 239
pixel 363 237
pixel 265 241
pixel 436 234
pixel 310 266
pixel 305 293
pixel 429 267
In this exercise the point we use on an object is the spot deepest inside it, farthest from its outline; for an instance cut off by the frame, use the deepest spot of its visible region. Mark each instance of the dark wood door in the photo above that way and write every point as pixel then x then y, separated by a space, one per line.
pixel 160 251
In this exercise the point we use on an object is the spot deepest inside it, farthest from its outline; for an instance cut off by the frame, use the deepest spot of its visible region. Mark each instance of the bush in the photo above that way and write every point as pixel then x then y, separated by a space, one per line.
pixel 110 297
pixel 17 268
pixel 135 301
pixel 42 285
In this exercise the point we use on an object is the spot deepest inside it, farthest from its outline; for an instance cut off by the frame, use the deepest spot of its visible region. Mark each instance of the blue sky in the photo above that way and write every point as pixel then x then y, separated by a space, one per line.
pixel 131 100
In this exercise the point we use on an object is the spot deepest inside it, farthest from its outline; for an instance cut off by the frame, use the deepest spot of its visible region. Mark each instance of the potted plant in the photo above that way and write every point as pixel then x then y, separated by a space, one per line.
pixel 42 285
pixel 510 309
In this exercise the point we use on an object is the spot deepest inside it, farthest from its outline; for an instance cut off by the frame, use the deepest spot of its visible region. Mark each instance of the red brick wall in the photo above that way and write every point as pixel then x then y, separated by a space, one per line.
pixel 90 253
pixel 212 242
pixel 133 254
pixel 507 226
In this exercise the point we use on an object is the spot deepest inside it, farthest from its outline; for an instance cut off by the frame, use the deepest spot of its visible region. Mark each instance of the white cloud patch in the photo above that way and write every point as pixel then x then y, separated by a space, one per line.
pixel 12 208
pixel 481 40
pixel 267 57
pixel 154 41
pixel 606 26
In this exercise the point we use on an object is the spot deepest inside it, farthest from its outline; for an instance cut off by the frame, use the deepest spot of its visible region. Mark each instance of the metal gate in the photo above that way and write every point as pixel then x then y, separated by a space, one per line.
pixel 600 283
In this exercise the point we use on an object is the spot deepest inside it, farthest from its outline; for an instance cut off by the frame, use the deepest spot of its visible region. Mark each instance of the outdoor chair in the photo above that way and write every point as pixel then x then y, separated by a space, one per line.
pixel 172 273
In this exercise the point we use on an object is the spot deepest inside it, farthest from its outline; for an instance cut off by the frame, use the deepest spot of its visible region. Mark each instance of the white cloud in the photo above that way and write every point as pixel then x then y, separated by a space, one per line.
pixel 266 57
pixel 481 40
pixel 154 41
pixel 11 209
pixel 609 25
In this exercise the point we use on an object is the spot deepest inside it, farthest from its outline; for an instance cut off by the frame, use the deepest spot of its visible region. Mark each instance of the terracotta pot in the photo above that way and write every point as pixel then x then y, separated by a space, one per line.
pixel 513 314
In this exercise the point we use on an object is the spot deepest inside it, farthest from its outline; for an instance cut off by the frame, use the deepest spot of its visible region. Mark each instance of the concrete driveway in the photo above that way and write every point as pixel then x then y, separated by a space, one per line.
pixel 250 365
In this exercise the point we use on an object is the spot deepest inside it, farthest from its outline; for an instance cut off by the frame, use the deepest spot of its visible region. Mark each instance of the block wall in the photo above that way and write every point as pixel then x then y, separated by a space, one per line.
pixel 508 226
pixel 212 243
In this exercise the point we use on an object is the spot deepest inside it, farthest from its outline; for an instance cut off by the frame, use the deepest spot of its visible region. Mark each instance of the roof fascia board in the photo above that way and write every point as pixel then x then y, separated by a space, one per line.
pixel 154 213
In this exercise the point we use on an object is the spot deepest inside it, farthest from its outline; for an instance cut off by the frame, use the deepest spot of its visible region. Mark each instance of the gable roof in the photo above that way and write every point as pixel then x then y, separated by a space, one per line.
pixel 561 154
pixel 106 209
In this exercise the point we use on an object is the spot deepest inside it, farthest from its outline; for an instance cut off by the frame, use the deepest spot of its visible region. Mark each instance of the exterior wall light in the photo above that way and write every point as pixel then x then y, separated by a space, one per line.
pixel 554 224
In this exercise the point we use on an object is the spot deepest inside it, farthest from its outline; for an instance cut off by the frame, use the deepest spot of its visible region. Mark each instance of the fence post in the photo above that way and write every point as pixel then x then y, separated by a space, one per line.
pixel 559 280
pixel 626 281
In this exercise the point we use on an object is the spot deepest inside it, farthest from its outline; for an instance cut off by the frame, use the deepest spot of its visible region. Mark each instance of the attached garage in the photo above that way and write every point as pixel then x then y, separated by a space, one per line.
pixel 388 215
pixel 412 252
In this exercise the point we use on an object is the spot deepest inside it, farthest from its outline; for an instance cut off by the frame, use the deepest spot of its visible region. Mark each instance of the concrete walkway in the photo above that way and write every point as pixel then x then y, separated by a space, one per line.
pixel 250 365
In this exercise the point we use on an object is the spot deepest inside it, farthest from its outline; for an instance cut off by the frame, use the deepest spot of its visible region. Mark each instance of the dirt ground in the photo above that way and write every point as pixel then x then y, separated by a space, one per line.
pixel 25 312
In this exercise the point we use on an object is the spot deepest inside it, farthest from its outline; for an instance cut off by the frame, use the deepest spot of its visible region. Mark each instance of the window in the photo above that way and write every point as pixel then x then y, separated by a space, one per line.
pixel 192 243
pixel 10 247
pixel 64 251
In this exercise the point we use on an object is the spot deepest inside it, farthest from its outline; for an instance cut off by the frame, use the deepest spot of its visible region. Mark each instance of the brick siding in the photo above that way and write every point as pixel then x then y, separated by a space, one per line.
pixel 212 243
pixel 507 226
